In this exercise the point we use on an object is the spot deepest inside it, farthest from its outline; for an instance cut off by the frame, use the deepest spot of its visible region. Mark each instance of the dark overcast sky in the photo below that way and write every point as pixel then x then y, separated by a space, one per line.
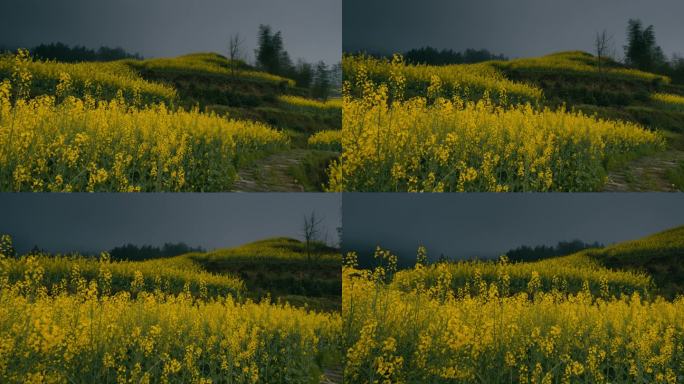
pixel 312 29
pixel 93 222
pixel 517 28
pixel 487 225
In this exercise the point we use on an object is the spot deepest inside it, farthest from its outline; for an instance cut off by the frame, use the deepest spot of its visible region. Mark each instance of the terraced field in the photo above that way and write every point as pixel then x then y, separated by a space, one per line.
pixel 190 123
pixel 553 123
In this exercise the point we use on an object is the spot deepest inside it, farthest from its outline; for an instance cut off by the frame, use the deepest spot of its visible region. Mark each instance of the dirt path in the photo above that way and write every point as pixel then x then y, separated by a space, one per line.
pixel 645 174
pixel 332 376
pixel 270 174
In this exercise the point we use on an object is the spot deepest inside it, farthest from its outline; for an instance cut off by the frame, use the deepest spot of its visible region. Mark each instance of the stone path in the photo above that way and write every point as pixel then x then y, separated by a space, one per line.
pixel 332 376
pixel 645 174
pixel 271 174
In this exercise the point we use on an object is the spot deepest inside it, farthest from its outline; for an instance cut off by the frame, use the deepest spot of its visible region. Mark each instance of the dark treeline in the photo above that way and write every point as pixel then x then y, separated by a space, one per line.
pixel 540 252
pixel 135 253
pixel 642 52
pixel 5 49
pixel 272 57
pixel 432 56
pixel 124 252
pixel 62 52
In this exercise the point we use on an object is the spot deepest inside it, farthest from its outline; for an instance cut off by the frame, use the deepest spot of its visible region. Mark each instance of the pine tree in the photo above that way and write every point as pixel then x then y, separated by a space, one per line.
pixel 271 54
pixel 634 50
pixel 266 53
pixel 642 51
pixel 321 86
pixel 304 74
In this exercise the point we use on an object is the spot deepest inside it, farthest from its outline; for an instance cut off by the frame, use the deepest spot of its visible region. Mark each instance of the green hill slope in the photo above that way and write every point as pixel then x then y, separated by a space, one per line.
pixel 205 79
pixel 279 268
pixel 612 91
pixel 58 273
pixel 652 265
pixel 567 274
pixel 575 64
pixel 215 83
pixel 101 80
pixel 467 81
pixel 282 268
pixel 209 81
pixel 660 255
pixel 237 91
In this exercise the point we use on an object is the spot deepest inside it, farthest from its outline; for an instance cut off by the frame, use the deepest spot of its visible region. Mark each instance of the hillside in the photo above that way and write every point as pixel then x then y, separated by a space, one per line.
pixel 560 122
pixel 205 84
pixel 102 80
pixel 71 318
pixel 617 93
pixel 653 266
pixel 613 92
pixel 281 268
pixel 660 255
pixel 468 81
pixel 483 334
pixel 566 274
pixel 238 91
pixel 277 268
pixel 594 316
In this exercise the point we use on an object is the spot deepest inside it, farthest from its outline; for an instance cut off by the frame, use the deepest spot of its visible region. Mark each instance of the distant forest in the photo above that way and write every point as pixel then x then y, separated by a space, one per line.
pixel 540 252
pixel 432 56
pixel 136 253
pixel 65 53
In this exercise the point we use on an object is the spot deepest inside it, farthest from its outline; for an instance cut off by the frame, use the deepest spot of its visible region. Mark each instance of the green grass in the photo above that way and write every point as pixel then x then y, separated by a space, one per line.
pixel 298 103
pixel 669 101
pixel 649 116
pixel 660 255
pixel 206 79
pixel 303 121
pixel 280 267
pixel 327 140
pixel 615 92
pixel 312 171
pixel 576 64
pixel 208 64
pixel 676 176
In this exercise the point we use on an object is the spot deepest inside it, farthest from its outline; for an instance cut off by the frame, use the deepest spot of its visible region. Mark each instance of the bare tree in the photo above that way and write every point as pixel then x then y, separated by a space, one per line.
pixel 603 44
pixel 235 51
pixel 312 233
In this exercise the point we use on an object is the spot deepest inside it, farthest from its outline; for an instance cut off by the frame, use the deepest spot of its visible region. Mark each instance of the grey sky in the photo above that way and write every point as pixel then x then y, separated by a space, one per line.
pixel 518 28
pixel 488 224
pixel 311 28
pixel 93 222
